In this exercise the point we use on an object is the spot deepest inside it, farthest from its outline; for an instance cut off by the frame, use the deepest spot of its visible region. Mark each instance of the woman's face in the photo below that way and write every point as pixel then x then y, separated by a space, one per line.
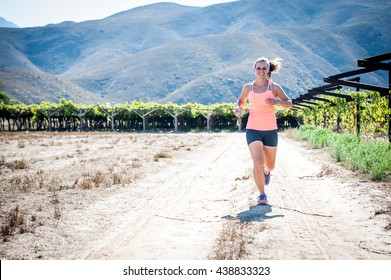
pixel 261 69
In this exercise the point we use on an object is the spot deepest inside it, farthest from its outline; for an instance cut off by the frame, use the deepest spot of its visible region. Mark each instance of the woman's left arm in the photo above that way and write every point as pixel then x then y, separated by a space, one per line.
pixel 283 100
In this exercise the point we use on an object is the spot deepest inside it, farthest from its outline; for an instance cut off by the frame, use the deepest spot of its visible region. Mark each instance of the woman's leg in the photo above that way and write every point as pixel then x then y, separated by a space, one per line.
pixel 257 154
pixel 269 158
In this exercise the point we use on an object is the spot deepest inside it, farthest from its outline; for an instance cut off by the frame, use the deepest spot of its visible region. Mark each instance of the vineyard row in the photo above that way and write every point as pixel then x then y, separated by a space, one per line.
pixel 137 116
pixel 368 114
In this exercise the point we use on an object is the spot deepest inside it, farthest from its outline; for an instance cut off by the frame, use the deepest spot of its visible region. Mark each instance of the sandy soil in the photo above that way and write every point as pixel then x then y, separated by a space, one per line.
pixel 182 196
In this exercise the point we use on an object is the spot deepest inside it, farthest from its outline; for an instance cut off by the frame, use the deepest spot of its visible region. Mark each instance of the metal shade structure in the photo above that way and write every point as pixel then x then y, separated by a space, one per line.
pixel 370 64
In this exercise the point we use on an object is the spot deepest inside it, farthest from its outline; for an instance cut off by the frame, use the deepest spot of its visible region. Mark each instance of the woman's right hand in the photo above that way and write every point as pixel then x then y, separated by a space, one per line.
pixel 238 111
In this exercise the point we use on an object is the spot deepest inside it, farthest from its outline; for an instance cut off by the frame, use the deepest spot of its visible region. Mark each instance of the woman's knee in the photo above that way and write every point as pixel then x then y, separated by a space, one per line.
pixel 270 158
pixel 270 167
pixel 259 163
pixel 270 163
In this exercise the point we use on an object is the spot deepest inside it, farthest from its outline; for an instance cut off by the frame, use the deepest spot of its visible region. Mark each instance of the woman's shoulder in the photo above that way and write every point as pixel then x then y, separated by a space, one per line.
pixel 276 88
pixel 247 87
pixel 274 85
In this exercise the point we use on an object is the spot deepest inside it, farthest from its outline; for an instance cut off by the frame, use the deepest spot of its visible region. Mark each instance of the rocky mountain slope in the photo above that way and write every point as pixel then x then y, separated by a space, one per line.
pixel 168 52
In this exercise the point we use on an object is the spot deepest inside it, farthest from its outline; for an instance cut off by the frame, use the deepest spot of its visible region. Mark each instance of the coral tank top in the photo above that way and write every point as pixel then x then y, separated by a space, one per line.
pixel 262 116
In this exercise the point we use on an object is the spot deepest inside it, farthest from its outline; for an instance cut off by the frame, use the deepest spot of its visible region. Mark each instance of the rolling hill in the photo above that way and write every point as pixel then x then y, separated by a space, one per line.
pixel 6 23
pixel 167 52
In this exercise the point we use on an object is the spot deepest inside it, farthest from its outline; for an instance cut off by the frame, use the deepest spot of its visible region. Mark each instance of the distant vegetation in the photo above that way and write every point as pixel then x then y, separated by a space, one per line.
pixel 136 116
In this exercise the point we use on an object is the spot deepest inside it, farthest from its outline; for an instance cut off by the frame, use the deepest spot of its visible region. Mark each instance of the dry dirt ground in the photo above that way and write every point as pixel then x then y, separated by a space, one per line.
pixel 182 196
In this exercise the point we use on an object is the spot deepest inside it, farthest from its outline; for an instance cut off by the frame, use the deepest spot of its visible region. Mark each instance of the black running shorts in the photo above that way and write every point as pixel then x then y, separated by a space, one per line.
pixel 267 137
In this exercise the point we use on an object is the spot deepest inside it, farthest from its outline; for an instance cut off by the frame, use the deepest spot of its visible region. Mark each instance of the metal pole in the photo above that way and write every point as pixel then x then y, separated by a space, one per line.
pixel 389 107
pixel 176 123
pixel 358 116
pixel 358 111
pixel 50 121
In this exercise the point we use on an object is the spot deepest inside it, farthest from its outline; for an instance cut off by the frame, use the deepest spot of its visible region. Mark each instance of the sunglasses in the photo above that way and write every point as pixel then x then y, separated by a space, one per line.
pixel 259 68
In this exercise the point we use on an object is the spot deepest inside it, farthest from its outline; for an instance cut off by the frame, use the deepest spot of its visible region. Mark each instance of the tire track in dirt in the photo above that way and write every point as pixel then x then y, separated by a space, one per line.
pixel 302 226
pixel 314 217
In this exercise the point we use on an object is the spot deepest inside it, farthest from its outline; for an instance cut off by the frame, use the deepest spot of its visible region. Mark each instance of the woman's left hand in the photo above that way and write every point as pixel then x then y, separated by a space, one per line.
pixel 271 101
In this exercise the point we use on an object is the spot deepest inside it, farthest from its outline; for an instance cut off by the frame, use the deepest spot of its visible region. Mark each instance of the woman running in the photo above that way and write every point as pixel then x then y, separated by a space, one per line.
pixel 261 131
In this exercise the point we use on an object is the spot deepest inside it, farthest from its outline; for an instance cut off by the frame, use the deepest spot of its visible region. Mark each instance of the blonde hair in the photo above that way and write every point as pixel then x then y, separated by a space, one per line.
pixel 273 64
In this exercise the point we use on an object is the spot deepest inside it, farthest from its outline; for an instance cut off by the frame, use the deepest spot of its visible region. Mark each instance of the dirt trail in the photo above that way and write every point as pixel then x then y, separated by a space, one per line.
pixel 319 210
pixel 200 204
pixel 313 214
pixel 178 214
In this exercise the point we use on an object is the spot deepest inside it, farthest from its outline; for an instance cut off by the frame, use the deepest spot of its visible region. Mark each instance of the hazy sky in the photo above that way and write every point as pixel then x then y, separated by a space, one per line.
pixel 29 13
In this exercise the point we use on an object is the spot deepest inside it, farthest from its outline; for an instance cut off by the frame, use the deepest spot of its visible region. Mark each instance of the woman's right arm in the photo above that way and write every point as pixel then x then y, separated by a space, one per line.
pixel 242 99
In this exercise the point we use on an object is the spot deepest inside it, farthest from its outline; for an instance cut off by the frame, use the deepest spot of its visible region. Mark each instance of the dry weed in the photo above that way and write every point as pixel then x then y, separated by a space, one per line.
pixel 117 178
pixel 55 199
pixel 136 163
pixel 232 241
pixel 16 164
pixel 87 184
pixel 24 183
pixel 57 212
pixel 160 155
pixel 98 178
pixel 14 222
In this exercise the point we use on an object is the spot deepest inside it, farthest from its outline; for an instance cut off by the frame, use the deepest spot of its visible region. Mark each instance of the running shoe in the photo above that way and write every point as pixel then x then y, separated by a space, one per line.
pixel 267 178
pixel 262 199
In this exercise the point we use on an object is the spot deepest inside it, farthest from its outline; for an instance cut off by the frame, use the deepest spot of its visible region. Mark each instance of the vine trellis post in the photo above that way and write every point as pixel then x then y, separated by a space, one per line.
pixel 175 114
pixel 50 112
pixel 143 116
pixel 81 114
pixel 111 113
pixel 208 115
pixel 240 119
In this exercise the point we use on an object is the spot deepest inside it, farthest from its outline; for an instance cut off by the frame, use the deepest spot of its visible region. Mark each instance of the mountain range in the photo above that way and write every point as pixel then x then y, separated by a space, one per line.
pixel 6 23
pixel 167 52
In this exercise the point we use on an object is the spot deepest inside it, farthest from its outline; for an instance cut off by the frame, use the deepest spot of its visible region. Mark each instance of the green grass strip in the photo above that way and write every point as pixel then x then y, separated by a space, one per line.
pixel 368 157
